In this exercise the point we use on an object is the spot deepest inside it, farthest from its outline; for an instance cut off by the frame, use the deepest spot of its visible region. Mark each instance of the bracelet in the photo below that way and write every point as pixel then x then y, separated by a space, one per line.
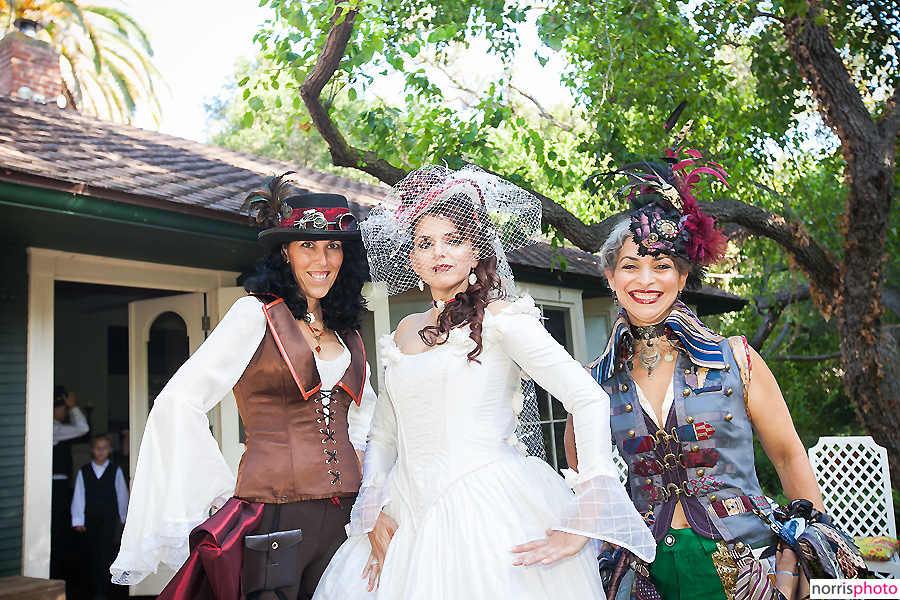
pixel 791 573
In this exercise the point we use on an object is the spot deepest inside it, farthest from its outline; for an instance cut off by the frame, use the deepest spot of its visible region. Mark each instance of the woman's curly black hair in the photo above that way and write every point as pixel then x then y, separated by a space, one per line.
pixel 469 305
pixel 344 304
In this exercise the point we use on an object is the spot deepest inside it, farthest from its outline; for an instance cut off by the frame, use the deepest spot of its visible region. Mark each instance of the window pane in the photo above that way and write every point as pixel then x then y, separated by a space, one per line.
pixel 560 431
pixel 549 444
pixel 559 412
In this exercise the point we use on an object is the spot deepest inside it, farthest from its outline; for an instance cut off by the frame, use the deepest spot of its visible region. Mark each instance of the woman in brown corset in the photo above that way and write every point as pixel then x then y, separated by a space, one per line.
pixel 292 353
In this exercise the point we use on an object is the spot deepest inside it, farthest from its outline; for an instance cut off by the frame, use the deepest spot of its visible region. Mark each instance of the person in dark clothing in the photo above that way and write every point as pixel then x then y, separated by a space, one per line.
pixel 99 506
pixel 69 423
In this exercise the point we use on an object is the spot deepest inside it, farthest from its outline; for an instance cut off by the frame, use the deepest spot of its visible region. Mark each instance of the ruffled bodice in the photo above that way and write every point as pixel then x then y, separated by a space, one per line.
pixel 452 416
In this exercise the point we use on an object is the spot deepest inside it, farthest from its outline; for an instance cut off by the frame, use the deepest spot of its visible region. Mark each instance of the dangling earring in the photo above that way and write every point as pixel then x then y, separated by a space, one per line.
pixel 615 299
pixel 421 285
pixel 473 279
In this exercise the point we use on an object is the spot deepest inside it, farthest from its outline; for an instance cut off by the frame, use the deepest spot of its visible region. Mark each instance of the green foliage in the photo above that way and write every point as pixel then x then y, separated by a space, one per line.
pixel 264 120
pixel 629 63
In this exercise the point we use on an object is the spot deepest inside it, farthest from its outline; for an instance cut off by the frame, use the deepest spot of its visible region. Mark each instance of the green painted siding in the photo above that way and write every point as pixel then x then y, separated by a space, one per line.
pixel 13 338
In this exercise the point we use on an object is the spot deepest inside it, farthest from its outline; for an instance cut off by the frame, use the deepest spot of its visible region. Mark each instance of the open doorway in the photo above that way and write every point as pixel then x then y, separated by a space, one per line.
pixel 91 359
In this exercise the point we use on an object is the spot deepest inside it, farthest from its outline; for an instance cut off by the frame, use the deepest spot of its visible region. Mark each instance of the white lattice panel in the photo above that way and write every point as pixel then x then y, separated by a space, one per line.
pixel 855 481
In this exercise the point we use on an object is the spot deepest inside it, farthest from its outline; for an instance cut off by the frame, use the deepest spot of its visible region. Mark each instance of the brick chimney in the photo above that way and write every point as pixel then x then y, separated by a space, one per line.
pixel 29 67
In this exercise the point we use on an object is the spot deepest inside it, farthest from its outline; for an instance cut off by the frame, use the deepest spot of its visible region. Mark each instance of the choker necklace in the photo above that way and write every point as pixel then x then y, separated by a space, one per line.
pixel 653 337
pixel 648 332
pixel 442 304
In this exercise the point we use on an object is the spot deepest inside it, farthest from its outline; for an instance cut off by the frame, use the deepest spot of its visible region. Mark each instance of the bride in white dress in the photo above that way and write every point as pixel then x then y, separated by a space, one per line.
pixel 451 505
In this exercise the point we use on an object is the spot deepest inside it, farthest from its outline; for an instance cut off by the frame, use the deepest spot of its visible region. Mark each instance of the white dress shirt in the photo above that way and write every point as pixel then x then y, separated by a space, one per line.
pixel 67 431
pixel 78 496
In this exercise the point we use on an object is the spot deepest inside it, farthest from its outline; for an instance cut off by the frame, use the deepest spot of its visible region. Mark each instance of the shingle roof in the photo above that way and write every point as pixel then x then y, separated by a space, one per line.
pixel 106 157
pixel 541 256
pixel 47 146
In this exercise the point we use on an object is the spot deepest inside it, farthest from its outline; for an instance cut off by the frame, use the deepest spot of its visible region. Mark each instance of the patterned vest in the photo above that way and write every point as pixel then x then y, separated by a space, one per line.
pixel 703 456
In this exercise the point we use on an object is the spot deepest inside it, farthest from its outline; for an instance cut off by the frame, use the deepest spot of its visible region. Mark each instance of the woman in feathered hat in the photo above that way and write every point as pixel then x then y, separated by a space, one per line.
pixel 685 400
pixel 451 506
pixel 292 353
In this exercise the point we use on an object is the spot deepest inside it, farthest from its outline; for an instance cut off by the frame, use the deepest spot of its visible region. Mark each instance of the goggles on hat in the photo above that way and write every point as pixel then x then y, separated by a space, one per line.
pixel 314 219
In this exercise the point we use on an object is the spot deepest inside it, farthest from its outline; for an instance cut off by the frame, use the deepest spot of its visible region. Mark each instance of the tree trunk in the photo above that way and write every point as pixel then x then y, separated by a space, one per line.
pixel 869 353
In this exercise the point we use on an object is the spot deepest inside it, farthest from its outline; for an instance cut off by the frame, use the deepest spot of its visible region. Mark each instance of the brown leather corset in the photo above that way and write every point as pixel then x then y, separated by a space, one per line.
pixel 297 446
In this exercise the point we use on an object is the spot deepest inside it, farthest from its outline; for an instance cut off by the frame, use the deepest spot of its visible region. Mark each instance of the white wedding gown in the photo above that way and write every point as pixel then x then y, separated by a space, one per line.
pixel 442 460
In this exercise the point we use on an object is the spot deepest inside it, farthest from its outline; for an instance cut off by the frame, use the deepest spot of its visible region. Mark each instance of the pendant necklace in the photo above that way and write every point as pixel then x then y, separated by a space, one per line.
pixel 316 333
pixel 653 337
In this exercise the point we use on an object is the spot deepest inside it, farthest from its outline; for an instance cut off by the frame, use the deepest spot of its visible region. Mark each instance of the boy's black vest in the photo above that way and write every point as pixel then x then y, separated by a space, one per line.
pixel 99 494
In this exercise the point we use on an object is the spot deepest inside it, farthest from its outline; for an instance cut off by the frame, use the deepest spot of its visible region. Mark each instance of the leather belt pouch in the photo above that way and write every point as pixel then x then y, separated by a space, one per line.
pixel 270 561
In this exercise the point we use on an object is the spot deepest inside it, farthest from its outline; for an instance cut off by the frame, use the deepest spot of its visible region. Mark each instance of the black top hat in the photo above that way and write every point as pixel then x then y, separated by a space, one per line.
pixel 313 217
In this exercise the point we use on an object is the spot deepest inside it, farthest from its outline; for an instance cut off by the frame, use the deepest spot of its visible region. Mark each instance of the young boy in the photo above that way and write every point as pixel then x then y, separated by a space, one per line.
pixel 99 505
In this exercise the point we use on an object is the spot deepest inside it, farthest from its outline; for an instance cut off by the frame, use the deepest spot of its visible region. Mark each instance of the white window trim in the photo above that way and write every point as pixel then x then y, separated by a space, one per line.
pixel 566 299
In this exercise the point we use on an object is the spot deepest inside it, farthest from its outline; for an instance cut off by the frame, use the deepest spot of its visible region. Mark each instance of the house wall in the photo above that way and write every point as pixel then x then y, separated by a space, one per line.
pixel 13 336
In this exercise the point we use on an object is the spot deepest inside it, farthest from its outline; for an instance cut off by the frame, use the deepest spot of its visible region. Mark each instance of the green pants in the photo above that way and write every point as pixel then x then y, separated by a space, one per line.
pixel 683 569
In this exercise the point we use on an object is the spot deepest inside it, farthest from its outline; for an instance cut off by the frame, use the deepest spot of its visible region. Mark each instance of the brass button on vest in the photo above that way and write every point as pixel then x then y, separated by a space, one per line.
pixel 686 392
pixel 690 419
pixel 624 388
pixel 729 391
pixel 628 408
pixel 729 417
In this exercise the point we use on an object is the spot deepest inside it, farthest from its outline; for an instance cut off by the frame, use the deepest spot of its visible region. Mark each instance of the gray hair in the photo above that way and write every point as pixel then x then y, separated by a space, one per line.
pixel 609 252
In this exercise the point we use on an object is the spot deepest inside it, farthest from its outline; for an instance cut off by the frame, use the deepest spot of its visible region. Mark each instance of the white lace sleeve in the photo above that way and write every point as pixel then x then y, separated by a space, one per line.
pixel 180 471
pixel 379 461
pixel 602 508
pixel 359 418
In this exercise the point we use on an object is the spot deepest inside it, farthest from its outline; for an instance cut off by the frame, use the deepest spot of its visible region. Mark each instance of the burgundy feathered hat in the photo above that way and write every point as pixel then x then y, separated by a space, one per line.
pixel 665 216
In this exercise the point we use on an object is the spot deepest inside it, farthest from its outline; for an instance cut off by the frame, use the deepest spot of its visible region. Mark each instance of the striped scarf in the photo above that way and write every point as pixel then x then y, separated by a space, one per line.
pixel 699 341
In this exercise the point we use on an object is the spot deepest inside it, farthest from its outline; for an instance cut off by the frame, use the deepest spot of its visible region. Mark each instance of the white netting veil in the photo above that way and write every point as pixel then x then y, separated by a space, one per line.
pixel 492 214
pixel 495 215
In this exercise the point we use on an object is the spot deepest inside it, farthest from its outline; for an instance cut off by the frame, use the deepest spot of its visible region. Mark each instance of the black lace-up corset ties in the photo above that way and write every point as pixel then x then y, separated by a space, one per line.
pixel 327 419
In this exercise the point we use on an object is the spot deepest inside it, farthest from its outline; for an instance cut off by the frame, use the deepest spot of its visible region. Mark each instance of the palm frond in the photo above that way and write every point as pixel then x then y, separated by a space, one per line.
pixel 125 24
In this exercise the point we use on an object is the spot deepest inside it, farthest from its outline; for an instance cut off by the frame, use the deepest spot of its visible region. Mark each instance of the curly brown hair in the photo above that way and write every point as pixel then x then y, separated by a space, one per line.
pixel 468 306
